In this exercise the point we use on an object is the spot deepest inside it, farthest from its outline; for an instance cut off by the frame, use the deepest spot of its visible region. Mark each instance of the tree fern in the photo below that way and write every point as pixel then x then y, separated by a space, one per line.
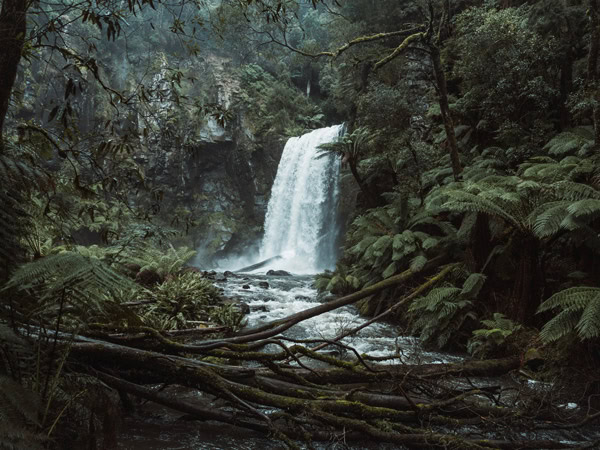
pixel 466 202
pixel 78 280
pixel 548 218
pixel 350 145
pixel 566 142
pixel 440 315
pixel 585 210
pixel 435 312
pixel 530 206
pixel 579 312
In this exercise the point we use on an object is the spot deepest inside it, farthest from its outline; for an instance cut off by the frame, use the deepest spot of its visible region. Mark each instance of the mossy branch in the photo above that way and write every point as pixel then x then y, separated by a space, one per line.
pixel 398 50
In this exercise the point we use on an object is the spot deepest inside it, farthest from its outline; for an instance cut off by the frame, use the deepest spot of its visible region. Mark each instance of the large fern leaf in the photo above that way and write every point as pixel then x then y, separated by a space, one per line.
pixel 565 142
pixel 80 280
pixel 579 312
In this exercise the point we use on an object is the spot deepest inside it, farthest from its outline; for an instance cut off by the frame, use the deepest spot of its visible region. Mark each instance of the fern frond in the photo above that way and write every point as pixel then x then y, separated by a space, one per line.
pixel 418 262
pixel 14 223
pixel 19 410
pixel 580 313
pixel 21 174
pixel 575 297
pixel 569 190
pixel 466 202
pixel 473 285
pixel 586 210
pixel 565 142
pixel 560 325
pixel 589 324
pixel 86 280
pixel 435 296
pixel 548 217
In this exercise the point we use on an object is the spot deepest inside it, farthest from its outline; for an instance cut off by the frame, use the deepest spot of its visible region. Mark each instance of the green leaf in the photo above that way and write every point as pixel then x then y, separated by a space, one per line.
pixel 473 285
pixel 389 271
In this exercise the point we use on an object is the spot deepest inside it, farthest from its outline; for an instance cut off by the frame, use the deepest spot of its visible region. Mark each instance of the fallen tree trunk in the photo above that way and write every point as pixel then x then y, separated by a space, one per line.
pixel 110 354
pixel 283 424
pixel 389 405
pixel 260 264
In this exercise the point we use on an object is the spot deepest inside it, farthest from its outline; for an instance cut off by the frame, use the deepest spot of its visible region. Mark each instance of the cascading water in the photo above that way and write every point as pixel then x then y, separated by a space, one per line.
pixel 300 225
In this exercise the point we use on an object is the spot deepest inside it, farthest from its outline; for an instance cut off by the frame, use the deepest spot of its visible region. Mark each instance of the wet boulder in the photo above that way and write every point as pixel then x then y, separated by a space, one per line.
pixel 279 273
pixel 263 284
pixel 209 275
pixel 259 308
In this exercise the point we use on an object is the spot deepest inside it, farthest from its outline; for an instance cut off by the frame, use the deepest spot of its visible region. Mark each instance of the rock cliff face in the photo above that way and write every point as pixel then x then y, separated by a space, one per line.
pixel 223 187
pixel 218 180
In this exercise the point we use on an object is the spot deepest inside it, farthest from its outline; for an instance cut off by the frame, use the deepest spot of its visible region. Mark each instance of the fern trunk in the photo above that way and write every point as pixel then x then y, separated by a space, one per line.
pixel 12 35
pixel 370 198
pixel 481 242
pixel 527 287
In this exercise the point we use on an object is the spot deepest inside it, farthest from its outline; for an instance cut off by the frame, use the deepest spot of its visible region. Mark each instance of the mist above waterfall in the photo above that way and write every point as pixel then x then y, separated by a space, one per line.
pixel 301 224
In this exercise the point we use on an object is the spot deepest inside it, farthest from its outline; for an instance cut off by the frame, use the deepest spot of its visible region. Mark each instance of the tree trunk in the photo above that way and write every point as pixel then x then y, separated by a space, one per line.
pixel 370 198
pixel 526 292
pixel 566 85
pixel 592 67
pixel 12 36
pixel 592 62
pixel 596 116
pixel 440 78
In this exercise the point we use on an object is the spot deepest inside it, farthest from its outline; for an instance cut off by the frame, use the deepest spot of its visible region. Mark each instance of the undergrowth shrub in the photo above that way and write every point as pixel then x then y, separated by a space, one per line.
pixel 499 336
pixel 180 301
pixel 440 316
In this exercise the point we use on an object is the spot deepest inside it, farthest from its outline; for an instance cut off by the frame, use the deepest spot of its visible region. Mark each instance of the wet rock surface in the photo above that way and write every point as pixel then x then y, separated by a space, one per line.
pixel 279 273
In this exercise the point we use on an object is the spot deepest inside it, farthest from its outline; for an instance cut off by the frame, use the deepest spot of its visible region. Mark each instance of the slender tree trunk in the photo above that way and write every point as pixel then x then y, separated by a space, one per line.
pixel 566 85
pixel 592 62
pixel 597 120
pixel 12 36
pixel 440 78
pixel 592 66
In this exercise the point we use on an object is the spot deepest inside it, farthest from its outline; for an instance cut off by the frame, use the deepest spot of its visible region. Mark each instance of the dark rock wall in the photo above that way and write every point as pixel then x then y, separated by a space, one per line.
pixel 221 184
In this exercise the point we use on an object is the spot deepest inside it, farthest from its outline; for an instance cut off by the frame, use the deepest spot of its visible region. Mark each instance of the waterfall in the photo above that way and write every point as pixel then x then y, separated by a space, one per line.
pixel 301 216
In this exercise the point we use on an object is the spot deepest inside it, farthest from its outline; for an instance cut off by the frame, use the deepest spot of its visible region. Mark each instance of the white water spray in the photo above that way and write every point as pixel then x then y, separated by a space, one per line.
pixel 301 224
